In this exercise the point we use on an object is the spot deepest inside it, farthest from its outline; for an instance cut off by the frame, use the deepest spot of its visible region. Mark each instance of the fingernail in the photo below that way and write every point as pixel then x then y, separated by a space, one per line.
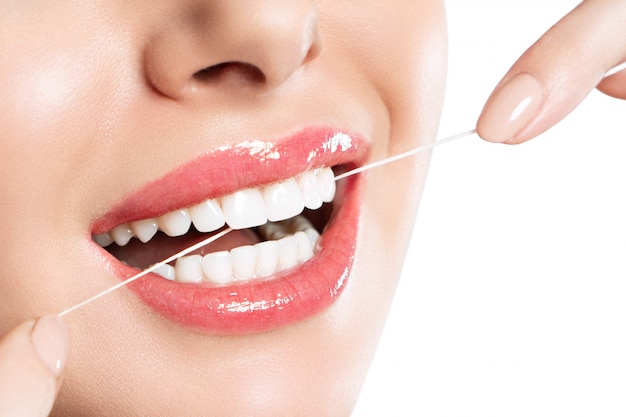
pixel 51 340
pixel 510 109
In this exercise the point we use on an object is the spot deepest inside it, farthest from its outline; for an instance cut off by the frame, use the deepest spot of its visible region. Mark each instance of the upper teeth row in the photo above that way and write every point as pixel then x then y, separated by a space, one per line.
pixel 243 209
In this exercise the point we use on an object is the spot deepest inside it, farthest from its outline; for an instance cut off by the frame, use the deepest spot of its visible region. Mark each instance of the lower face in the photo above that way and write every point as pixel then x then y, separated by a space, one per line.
pixel 91 150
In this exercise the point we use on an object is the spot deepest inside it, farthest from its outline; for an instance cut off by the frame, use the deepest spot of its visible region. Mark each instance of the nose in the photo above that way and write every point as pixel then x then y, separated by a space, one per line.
pixel 242 44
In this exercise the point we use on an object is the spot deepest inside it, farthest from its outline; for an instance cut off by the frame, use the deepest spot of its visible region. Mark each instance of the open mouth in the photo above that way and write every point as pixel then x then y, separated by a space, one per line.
pixel 276 228
pixel 291 250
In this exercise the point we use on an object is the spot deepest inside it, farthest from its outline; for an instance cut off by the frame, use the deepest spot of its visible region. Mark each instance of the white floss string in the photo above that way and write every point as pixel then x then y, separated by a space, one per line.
pixel 224 232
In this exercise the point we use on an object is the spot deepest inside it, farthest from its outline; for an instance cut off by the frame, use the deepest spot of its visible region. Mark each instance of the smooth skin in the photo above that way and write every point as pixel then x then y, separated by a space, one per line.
pixel 566 63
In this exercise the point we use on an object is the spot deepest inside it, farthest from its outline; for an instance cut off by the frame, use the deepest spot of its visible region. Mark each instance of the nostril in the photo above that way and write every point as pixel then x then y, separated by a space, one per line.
pixel 225 72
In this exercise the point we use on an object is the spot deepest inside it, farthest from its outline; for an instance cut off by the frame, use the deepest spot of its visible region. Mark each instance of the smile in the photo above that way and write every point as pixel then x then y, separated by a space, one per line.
pixel 291 250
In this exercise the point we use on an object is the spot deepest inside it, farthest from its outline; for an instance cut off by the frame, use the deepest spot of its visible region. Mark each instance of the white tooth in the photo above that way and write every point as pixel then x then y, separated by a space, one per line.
pixel 103 239
pixel 166 271
pixel 287 253
pixel 145 229
pixel 218 267
pixel 176 223
pixel 310 188
pixel 305 250
pixel 283 200
pixel 244 261
pixel 298 224
pixel 326 177
pixel 244 209
pixel 122 234
pixel 267 258
pixel 189 269
pixel 207 216
pixel 313 236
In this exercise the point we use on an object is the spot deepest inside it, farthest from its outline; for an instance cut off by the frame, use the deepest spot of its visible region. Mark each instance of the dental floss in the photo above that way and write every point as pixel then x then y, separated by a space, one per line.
pixel 223 233
pixel 149 269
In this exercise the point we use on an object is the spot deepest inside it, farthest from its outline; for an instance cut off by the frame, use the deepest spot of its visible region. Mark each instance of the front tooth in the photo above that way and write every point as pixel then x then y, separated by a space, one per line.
pixel 283 200
pixel 244 261
pixel 310 188
pixel 287 253
pixel 189 269
pixel 305 250
pixel 176 223
pixel 166 271
pixel 145 229
pixel 244 209
pixel 267 258
pixel 103 239
pixel 207 216
pixel 326 177
pixel 218 267
pixel 122 234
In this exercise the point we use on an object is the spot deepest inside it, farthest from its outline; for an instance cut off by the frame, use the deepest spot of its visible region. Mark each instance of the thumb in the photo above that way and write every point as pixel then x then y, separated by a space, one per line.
pixel 555 74
pixel 32 359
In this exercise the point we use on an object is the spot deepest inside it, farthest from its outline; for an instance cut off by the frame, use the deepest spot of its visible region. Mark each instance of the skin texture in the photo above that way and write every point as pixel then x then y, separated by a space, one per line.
pixel 100 99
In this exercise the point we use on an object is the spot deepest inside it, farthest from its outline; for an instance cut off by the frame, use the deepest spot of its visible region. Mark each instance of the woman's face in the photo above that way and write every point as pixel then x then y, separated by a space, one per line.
pixel 117 117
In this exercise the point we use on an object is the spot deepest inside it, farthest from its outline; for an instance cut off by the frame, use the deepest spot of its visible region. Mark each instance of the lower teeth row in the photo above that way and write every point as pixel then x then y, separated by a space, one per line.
pixel 246 263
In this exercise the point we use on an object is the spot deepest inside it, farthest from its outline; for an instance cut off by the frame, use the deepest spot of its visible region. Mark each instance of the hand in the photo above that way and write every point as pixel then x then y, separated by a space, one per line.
pixel 554 75
pixel 32 359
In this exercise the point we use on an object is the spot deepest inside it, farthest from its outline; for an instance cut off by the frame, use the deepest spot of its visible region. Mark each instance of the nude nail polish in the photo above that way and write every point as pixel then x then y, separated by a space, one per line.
pixel 50 338
pixel 510 109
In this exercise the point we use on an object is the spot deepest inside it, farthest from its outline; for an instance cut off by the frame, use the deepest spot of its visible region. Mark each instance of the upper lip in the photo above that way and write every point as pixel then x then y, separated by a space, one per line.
pixel 227 169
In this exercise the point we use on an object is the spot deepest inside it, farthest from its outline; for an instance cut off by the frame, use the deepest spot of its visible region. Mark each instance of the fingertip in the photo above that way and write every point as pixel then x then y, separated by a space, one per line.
pixel 510 109
pixel 50 337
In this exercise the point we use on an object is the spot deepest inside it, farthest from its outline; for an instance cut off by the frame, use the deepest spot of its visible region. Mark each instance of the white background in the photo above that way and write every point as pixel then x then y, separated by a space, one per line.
pixel 513 300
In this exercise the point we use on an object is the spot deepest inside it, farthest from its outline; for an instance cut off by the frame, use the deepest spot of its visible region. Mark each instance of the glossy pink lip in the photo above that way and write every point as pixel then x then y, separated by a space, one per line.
pixel 287 298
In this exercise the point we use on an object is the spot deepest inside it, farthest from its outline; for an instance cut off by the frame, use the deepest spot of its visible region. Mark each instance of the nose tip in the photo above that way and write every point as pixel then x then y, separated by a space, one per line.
pixel 235 44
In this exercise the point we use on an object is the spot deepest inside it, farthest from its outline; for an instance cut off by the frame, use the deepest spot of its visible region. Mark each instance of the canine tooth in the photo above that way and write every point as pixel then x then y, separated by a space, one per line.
pixel 267 258
pixel 166 271
pixel 218 267
pixel 207 216
pixel 244 209
pixel 305 250
pixel 103 239
pixel 310 189
pixel 122 234
pixel 287 253
pixel 326 177
pixel 176 223
pixel 283 200
pixel 189 269
pixel 145 229
pixel 244 261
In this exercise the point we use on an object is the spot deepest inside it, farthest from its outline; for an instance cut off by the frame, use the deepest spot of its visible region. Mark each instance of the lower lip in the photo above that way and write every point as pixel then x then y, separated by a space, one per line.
pixel 261 306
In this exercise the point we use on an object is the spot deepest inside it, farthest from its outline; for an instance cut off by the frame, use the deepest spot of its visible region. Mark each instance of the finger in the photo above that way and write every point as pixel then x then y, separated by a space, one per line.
pixel 32 358
pixel 554 75
pixel 615 85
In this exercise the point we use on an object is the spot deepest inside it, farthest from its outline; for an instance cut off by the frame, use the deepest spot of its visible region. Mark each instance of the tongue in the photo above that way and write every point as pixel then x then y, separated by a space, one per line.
pixel 161 246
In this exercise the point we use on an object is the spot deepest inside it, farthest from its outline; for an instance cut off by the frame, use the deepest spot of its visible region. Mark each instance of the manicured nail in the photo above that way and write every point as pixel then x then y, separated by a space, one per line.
pixel 510 109
pixel 51 340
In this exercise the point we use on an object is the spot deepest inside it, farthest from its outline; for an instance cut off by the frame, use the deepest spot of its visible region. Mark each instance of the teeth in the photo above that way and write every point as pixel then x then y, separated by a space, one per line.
pixel 311 190
pixel 176 223
pixel 145 229
pixel 207 216
pixel 218 267
pixel 274 209
pixel 122 234
pixel 189 269
pixel 244 209
pixel 283 200
pixel 244 262
pixel 247 262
